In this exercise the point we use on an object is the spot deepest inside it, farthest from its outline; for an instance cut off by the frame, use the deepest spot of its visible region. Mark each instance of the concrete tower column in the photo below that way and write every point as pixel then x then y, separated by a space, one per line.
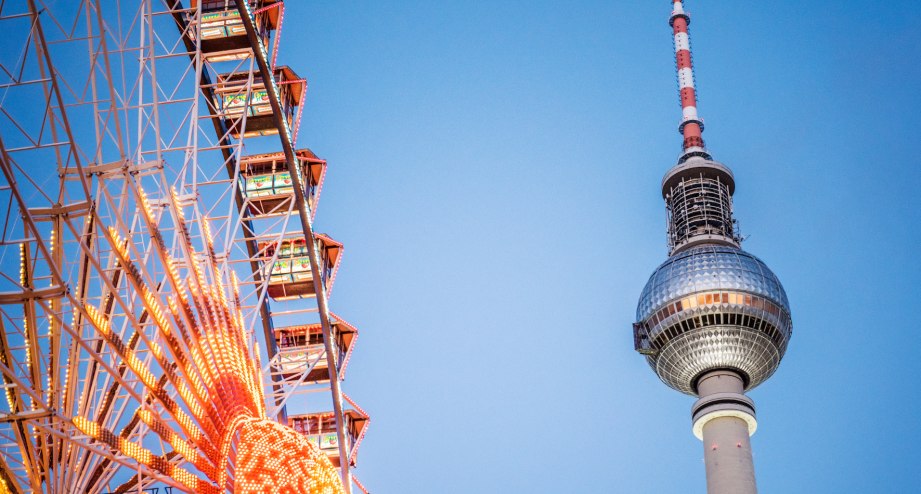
pixel 724 419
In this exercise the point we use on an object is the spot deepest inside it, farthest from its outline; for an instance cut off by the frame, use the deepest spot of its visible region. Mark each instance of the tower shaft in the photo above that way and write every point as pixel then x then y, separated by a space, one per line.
pixel 724 419
pixel 728 457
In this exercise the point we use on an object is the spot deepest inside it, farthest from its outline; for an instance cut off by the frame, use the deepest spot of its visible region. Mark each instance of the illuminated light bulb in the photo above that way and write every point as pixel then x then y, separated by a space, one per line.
pixel 87 427
pixel 22 264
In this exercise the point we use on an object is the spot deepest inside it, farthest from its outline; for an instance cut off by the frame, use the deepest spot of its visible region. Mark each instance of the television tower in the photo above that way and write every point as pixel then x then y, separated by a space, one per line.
pixel 713 321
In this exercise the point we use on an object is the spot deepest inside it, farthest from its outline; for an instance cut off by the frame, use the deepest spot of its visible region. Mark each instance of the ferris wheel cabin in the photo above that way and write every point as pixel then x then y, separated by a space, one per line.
pixel 290 276
pixel 300 346
pixel 320 429
pixel 223 36
pixel 237 98
pixel 267 185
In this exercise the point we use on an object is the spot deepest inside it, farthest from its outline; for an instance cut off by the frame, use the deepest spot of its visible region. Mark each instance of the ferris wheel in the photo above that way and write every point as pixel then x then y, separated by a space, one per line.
pixel 164 298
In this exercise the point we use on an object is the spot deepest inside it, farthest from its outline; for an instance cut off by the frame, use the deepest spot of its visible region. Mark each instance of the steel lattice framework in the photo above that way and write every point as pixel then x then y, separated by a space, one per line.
pixel 163 293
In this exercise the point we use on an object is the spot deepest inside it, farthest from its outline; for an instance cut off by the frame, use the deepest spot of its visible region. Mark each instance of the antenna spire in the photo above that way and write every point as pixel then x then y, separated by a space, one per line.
pixel 691 126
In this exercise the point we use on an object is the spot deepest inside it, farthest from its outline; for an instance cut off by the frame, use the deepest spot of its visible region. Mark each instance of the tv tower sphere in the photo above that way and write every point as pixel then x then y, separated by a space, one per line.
pixel 713 320
pixel 713 307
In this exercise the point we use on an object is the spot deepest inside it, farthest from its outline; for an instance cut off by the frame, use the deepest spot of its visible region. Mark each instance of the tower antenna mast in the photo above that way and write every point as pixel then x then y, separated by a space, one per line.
pixel 691 127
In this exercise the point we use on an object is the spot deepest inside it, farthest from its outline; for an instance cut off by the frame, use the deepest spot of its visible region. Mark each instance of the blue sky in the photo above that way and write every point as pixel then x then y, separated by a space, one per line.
pixel 494 174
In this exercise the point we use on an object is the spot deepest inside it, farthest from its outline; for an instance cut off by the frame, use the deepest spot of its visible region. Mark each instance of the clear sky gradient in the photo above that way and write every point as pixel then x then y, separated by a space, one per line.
pixel 494 175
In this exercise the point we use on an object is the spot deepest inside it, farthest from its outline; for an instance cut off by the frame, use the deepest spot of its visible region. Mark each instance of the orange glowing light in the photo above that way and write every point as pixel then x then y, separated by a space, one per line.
pixel 275 458
pixel 222 425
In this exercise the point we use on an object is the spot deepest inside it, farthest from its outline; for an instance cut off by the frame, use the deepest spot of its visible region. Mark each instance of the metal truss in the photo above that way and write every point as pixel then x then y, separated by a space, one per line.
pixel 121 177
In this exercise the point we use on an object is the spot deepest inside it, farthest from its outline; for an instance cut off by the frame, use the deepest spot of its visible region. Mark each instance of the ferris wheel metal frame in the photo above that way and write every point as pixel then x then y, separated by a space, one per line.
pixel 139 199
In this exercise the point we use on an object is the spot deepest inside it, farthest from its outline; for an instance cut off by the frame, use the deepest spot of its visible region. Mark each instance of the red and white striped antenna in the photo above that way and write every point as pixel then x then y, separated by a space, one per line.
pixel 692 126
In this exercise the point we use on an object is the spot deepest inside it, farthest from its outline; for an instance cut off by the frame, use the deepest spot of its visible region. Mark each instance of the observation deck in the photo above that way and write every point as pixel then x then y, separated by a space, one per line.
pixel 712 307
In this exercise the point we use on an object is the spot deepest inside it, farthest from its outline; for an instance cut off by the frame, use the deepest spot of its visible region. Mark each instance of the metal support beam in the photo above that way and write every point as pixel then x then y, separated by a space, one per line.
pixel 207 89
pixel 284 134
